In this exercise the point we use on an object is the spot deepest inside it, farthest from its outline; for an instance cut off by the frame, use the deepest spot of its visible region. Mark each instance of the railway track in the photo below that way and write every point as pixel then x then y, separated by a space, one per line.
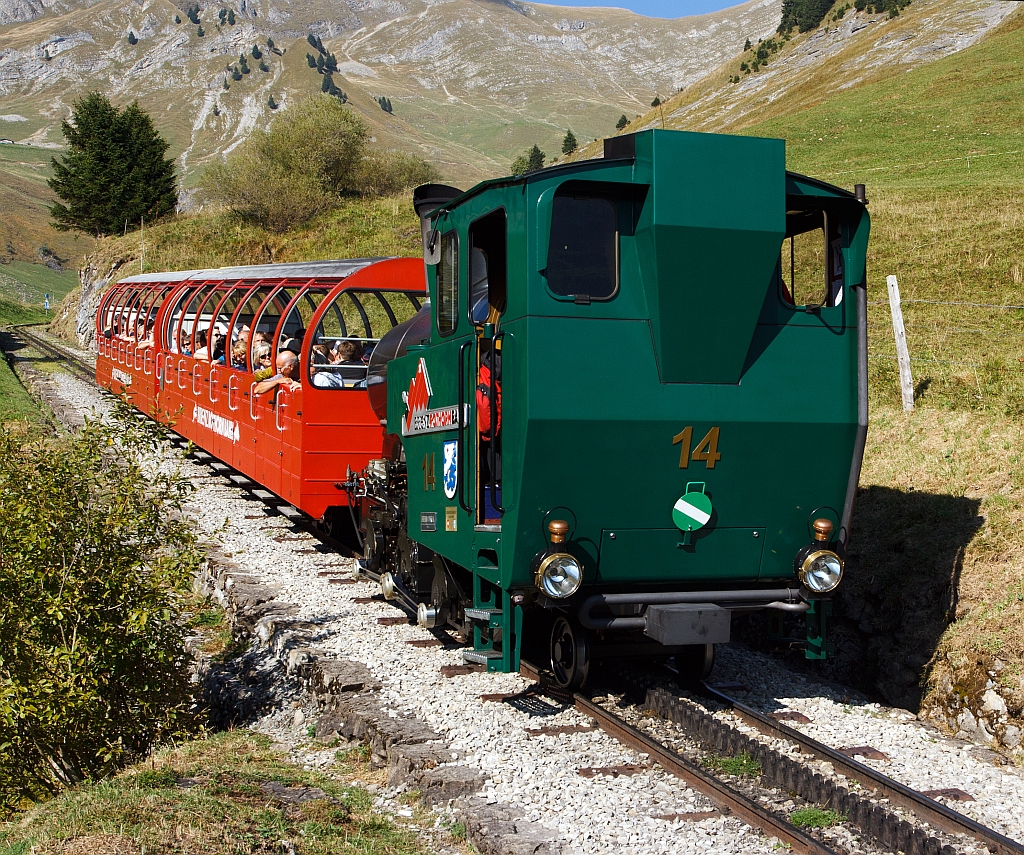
pixel 75 364
pixel 869 804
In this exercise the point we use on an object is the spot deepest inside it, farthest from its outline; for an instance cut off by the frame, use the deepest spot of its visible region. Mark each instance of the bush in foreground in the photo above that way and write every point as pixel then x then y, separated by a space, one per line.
pixel 94 562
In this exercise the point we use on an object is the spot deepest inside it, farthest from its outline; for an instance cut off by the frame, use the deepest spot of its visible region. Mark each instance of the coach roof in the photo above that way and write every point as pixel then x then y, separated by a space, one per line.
pixel 335 269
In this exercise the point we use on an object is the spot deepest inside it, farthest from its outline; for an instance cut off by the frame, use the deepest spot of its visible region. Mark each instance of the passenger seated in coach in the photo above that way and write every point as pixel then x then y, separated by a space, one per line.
pixel 238 351
pixel 287 374
pixel 323 376
pixel 202 352
pixel 146 335
pixel 217 350
pixel 262 367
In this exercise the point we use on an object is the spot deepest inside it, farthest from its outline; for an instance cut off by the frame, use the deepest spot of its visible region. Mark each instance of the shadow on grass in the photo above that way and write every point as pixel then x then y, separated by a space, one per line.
pixel 900 592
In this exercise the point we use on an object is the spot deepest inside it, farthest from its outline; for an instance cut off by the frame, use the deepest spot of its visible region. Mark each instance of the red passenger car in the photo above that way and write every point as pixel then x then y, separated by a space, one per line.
pixel 184 346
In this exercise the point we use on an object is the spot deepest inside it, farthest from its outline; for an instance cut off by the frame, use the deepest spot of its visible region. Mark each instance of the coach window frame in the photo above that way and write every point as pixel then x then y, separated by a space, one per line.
pixel 833 244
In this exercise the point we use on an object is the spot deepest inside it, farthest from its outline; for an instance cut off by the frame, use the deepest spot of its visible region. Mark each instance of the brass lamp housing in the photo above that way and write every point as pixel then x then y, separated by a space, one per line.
pixel 808 562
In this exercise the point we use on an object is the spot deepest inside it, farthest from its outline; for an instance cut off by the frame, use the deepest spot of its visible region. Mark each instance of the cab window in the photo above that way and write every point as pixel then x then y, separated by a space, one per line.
pixel 583 251
pixel 448 284
pixel 811 263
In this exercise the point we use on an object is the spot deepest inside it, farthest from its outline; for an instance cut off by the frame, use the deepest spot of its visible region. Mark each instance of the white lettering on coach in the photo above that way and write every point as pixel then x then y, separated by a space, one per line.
pixel 121 377
pixel 218 424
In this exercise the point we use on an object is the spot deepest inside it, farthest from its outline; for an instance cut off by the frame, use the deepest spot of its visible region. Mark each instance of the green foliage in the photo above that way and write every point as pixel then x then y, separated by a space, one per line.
pixel 256 52
pixel 243 64
pixel 531 160
pixel 740 765
pixel 236 75
pixel 569 144
pixel 270 43
pixel 804 15
pixel 893 7
pixel 200 32
pixel 192 13
pixel 320 63
pixel 747 45
pixel 657 101
pixel 622 122
pixel 387 172
pixel 263 66
pixel 222 14
pixel 271 103
pixel 310 61
pixel 132 38
pixel 385 104
pixel 814 817
pixel 177 19
pixel 94 562
pixel 314 41
pixel 330 62
pixel 114 170
pixel 312 156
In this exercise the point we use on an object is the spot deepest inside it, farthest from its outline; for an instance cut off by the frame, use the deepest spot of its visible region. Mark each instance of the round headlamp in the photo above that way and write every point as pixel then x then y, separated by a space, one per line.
pixel 821 571
pixel 559 575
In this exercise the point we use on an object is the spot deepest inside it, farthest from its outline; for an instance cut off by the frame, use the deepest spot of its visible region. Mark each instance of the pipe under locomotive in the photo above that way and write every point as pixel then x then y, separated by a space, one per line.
pixel 633 404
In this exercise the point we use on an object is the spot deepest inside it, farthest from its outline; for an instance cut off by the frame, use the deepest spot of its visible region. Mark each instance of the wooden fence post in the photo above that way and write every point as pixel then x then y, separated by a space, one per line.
pixel 902 353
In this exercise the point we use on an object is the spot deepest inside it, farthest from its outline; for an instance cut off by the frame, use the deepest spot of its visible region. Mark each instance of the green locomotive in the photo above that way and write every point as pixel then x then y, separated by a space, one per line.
pixel 635 404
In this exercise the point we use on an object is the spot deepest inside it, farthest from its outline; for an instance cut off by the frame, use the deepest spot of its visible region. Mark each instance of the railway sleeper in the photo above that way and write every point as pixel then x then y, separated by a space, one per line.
pixel 874 819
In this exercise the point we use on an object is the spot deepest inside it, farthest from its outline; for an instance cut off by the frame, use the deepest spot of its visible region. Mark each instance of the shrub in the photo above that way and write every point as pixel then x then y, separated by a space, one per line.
pixel 312 155
pixel 622 122
pixel 132 38
pixel 383 173
pixel 94 562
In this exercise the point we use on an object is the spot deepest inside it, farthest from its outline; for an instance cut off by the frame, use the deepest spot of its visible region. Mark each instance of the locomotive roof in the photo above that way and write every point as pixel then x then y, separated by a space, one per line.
pixel 335 269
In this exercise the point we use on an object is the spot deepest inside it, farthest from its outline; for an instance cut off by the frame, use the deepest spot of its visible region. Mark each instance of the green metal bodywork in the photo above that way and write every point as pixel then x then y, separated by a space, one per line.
pixel 697 335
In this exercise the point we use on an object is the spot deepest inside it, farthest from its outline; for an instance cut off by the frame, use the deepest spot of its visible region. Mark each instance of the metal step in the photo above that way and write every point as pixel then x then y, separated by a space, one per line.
pixel 265 495
pixel 219 467
pixel 482 614
pixel 289 511
pixel 240 480
pixel 201 455
pixel 480 657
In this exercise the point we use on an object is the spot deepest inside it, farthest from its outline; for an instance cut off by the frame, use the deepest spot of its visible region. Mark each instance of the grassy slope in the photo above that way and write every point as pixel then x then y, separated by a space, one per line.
pixel 219 809
pixel 15 403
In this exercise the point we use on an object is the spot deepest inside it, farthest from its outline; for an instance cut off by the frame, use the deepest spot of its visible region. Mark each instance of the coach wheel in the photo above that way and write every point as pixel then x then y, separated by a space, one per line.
pixel 694 662
pixel 570 654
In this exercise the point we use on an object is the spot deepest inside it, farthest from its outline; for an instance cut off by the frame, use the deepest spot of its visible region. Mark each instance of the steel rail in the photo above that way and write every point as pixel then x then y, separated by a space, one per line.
pixel 925 808
pixel 78 366
pixel 721 794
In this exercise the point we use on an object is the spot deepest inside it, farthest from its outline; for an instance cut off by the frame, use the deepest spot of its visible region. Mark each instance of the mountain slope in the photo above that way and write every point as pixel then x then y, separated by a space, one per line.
pixel 472 82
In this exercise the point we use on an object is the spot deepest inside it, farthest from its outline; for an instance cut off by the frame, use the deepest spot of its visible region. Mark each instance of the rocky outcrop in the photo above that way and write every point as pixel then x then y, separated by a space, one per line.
pixel 94 281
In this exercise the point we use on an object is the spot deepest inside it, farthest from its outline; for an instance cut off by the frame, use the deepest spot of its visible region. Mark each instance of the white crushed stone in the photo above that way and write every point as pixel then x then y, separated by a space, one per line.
pixel 539 774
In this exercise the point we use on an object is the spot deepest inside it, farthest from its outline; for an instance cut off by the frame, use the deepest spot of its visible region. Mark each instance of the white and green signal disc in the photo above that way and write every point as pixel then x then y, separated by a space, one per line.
pixel 691 511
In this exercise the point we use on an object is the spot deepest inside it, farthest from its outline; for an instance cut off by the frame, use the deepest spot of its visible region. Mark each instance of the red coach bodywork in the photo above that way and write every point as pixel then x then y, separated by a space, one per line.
pixel 299 444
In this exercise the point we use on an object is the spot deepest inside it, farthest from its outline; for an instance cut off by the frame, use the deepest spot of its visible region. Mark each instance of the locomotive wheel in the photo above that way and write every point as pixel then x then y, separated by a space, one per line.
pixel 694 663
pixel 570 654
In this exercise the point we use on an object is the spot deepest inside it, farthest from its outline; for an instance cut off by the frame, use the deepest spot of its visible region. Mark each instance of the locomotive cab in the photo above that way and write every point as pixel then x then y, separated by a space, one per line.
pixel 614 433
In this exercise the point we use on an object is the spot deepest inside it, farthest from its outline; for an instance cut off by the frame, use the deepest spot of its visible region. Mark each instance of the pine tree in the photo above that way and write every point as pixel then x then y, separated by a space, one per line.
pixel 216 109
pixel 327 83
pixel 222 15
pixel 569 144
pixel 256 52
pixel 231 18
pixel 535 158
pixel 271 103
pixel 114 170
pixel 622 122
pixel 320 63
pixel 747 45
pixel 656 102
pixel 132 38
pixel 264 66
pixel 270 43
pixel 200 32
pixel 177 19
pixel 193 13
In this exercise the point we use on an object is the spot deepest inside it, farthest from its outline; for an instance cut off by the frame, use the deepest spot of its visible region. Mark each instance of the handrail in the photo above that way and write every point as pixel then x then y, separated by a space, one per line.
pixel 158 366
pixel 147 361
pixel 213 368
pixel 461 443
pixel 195 374
pixel 180 360
pixel 253 414
pixel 121 347
pixel 280 405
pixel 495 415
pixel 231 379
pixel 135 361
